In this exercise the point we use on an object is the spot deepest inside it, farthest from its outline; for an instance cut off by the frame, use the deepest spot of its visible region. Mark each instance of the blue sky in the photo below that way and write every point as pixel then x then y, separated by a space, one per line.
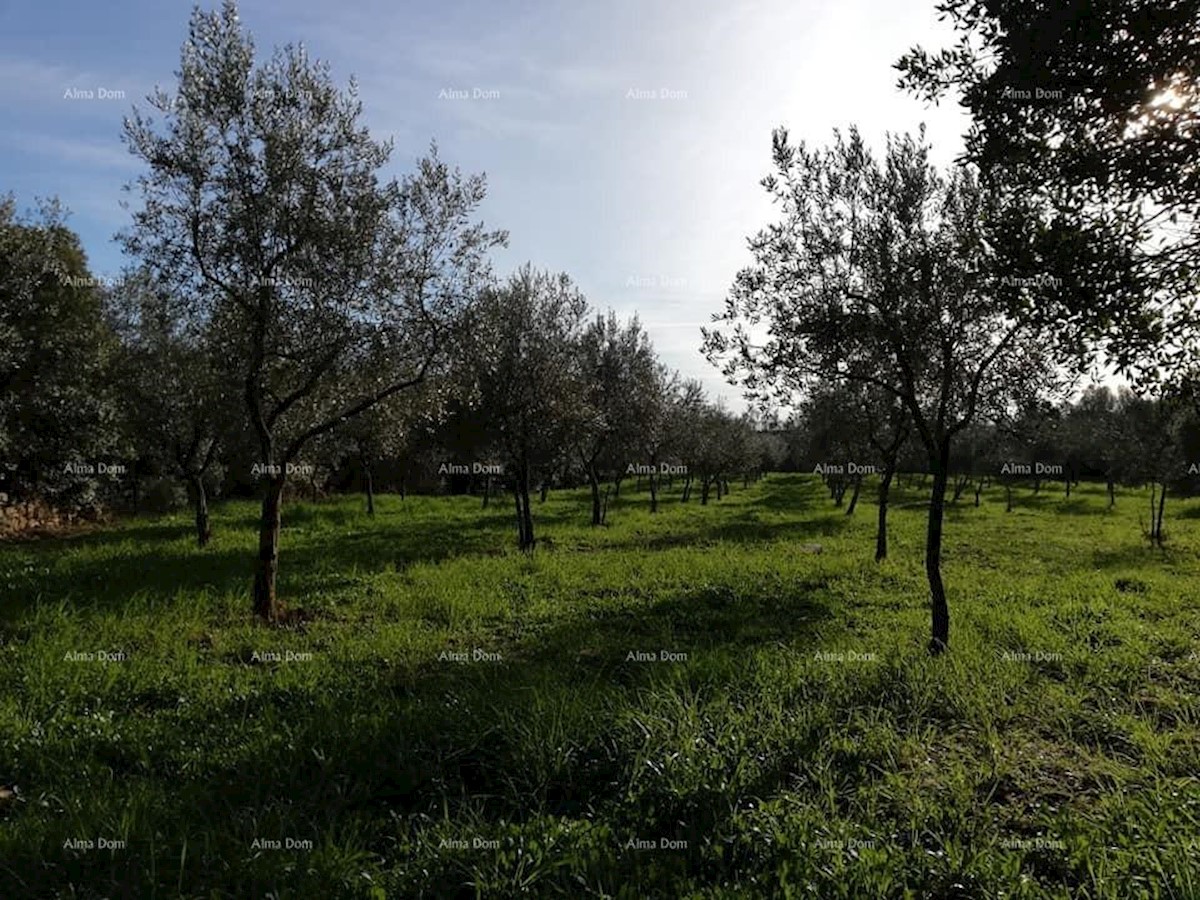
pixel 623 141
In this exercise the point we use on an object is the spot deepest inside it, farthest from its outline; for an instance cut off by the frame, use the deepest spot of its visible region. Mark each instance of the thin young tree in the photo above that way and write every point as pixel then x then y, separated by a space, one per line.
pixel 886 424
pixel 653 435
pixel 1150 441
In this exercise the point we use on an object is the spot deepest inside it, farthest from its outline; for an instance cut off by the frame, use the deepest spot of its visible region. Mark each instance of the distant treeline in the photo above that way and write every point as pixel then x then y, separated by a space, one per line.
pixel 1106 435
pixel 114 400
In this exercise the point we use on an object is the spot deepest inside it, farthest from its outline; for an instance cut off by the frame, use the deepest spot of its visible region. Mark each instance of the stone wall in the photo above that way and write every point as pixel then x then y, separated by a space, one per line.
pixel 32 518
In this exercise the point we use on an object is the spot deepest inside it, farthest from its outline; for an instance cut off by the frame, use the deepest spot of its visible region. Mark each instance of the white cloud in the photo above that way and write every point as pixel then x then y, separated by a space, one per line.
pixel 37 87
pixel 96 154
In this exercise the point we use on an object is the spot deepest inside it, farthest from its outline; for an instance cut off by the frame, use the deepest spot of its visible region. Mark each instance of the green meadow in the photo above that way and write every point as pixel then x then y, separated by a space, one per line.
pixel 715 701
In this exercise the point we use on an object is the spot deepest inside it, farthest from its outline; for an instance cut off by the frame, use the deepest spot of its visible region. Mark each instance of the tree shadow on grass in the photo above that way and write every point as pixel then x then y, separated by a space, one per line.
pixel 138 528
pixel 389 508
pixel 467 740
pixel 751 529
pixel 745 529
pixel 1080 507
pixel 793 492
pixel 108 583
pixel 160 570
pixel 1134 555
pixel 312 552
pixel 1057 504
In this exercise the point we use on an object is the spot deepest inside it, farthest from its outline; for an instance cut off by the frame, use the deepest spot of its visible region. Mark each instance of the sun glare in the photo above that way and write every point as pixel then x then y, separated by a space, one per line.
pixel 1170 97
pixel 1169 103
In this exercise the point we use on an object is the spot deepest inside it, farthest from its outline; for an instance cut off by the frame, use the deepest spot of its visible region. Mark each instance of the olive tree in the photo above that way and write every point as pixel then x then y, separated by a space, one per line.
pixel 57 412
pixel 1093 105
pixel 684 428
pixel 1149 437
pixel 522 344
pixel 1093 430
pixel 937 290
pixel 618 370
pixel 178 407
pixel 653 437
pixel 883 422
pixel 1097 94
pixel 263 203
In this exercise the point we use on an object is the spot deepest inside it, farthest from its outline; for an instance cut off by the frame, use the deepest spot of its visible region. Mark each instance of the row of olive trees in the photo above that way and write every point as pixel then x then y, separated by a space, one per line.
pixel 103 387
pixel 1116 437
pixel 548 392
pixel 1119 437
pixel 947 299
pixel 533 382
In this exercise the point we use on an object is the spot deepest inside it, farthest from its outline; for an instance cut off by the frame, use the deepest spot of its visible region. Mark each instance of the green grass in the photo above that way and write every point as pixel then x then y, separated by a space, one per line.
pixel 799 743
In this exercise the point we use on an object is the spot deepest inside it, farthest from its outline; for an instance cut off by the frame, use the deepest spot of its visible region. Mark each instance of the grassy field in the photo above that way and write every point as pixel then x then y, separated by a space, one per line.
pixel 693 704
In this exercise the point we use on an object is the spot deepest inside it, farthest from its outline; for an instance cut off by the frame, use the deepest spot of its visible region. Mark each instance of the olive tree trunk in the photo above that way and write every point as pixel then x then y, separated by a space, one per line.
pixel 939 610
pixel 370 485
pixel 200 499
pixel 881 534
pixel 854 496
pixel 594 481
pixel 266 603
